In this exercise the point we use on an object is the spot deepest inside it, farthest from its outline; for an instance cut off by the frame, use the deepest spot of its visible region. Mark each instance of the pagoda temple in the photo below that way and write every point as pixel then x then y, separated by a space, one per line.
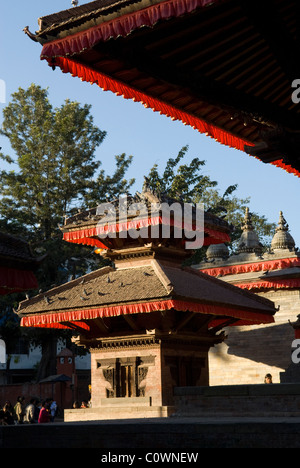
pixel 148 321
pixel 273 274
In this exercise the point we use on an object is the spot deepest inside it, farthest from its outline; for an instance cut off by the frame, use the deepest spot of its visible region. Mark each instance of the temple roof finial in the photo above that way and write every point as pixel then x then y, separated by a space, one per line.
pixel 247 226
pixel 249 242
pixel 282 238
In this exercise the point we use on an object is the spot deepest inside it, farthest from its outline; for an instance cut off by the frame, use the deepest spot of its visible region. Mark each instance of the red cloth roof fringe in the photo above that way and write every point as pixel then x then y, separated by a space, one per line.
pixel 121 26
pixel 54 320
pixel 279 264
pixel 89 236
pixel 92 76
pixel 274 284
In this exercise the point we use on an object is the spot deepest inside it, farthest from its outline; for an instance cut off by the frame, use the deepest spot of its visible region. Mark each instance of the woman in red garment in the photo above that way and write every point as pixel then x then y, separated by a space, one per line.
pixel 44 415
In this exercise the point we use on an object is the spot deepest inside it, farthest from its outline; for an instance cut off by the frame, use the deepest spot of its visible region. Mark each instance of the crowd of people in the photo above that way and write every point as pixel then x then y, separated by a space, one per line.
pixel 34 412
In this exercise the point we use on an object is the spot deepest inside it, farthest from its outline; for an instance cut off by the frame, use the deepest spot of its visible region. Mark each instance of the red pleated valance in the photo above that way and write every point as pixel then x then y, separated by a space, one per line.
pixel 92 236
pixel 78 317
pixel 119 88
pixel 274 284
pixel 92 76
pixel 13 280
pixel 121 26
pixel 279 264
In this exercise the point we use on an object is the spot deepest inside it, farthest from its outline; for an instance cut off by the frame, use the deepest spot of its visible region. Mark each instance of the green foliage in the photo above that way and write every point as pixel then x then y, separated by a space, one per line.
pixel 185 182
pixel 55 157
pixel 109 187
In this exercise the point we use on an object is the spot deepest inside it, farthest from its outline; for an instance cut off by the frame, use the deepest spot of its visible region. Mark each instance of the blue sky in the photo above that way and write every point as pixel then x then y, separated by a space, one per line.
pixel 146 135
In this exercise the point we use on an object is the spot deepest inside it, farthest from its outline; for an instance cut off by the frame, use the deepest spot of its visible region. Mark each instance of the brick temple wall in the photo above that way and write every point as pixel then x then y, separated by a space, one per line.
pixel 251 352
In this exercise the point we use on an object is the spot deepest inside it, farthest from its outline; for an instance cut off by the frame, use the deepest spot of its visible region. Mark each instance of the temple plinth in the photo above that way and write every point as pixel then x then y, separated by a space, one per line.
pixel 147 320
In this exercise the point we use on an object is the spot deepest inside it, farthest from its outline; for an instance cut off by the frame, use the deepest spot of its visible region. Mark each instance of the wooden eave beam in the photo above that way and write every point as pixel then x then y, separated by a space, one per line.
pixel 131 322
pixel 99 323
pixel 184 321
pixel 206 321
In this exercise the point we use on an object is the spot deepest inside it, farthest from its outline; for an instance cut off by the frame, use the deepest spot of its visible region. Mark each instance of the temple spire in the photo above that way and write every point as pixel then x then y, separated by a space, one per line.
pixel 249 242
pixel 282 238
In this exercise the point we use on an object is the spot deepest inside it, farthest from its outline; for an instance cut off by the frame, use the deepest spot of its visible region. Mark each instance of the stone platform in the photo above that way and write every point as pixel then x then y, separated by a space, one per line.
pixel 119 408
pixel 173 434
pixel 239 416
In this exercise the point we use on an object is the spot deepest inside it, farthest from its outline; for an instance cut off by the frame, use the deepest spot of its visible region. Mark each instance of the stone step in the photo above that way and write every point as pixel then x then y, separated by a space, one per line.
pixel 122 412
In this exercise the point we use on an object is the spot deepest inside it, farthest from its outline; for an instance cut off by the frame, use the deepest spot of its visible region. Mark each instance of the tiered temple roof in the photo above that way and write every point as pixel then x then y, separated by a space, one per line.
pixel 225 67
pixel 145 288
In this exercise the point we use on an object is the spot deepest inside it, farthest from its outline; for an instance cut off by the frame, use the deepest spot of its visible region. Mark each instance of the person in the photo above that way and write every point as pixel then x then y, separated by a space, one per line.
pixel 268 379
pixel 19 409
pixel 30 412
pixel 76 404
pixel 84 404
pixel 2 421
pixel 44 416
pixel 8 413
pixel 53 410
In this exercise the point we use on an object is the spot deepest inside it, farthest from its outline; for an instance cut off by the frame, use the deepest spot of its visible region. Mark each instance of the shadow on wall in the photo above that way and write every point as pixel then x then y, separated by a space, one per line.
pixel 270 345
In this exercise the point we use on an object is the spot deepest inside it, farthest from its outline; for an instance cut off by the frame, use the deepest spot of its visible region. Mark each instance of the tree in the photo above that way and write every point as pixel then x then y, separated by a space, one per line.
pixel 185 182
pixel 110 187
pixel 55 174
pixel 55 154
